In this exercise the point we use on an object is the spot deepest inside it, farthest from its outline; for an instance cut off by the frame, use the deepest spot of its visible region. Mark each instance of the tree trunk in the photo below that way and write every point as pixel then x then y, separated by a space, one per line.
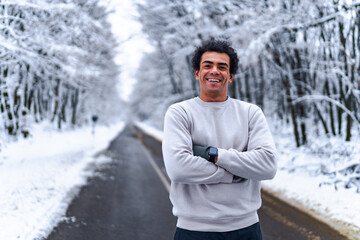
pixel 247 86
pixel 192 75
pixel 322 119
pixel 261 86
pixel 74 103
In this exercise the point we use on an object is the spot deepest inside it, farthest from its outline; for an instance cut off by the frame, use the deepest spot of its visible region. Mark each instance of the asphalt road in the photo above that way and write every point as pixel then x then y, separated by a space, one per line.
pixel 126 201
pixel 129 200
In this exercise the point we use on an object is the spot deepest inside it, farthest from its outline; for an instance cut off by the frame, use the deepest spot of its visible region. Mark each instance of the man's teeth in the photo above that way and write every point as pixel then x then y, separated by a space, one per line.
pixel 213 80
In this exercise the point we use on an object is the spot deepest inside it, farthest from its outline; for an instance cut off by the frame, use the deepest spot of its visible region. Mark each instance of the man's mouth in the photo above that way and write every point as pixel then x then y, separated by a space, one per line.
pixel 213 80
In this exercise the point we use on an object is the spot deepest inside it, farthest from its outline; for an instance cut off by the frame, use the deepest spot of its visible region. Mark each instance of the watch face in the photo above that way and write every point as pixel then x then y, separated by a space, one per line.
pixel 213 151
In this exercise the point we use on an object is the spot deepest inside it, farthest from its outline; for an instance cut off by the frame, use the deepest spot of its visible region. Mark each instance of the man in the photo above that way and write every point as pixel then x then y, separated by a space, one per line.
pixel 216 151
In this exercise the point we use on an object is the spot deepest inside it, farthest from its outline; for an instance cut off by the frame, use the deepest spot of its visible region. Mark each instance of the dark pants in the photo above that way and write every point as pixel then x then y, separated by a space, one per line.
pixel 252 232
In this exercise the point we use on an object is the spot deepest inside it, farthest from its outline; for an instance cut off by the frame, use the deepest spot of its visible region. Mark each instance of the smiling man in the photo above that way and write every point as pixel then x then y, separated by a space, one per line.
pixel 216 151
pixel 214 76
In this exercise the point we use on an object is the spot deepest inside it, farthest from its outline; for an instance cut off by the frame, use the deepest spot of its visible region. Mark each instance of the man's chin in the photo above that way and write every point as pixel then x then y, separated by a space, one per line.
pixel 213 86
pixel 214 91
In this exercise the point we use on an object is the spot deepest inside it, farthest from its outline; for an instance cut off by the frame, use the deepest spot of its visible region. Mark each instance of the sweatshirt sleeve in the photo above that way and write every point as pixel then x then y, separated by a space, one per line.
pixel 259 160
pixel 180 164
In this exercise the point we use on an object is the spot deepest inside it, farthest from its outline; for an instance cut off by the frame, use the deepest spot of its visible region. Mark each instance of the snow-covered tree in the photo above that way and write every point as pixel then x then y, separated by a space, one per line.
pixel 300 56
pixel 56 62
pixel 299 61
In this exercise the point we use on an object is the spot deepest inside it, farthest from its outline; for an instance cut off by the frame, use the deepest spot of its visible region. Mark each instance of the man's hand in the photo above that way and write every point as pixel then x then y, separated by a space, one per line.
pixel 237 179
pixel 201 151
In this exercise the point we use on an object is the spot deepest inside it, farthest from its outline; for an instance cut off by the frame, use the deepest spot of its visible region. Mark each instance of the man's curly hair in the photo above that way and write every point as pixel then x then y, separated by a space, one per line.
pixel 216 46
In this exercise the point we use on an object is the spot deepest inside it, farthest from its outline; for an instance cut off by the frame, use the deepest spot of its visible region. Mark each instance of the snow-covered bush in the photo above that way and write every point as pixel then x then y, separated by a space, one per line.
pixel 340 161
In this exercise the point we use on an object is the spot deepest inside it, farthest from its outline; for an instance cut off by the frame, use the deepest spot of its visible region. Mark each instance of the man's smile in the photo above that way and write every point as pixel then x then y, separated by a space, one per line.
pixel 213 79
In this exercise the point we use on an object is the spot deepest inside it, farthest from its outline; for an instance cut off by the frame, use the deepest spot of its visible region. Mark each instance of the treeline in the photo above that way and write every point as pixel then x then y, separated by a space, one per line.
pixel 299 60
pixel 56 62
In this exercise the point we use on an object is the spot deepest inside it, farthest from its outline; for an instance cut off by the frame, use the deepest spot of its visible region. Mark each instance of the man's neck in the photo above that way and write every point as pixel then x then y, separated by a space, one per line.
pixel 214 98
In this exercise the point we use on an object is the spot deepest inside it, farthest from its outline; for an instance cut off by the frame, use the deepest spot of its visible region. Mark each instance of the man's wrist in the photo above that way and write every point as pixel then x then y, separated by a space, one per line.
pixel 215 159
pixel 237 179
pixel 213 154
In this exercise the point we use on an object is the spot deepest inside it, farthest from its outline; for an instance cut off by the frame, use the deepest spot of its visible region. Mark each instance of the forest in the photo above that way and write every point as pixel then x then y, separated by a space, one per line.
pixel 56 64
pixel 299 59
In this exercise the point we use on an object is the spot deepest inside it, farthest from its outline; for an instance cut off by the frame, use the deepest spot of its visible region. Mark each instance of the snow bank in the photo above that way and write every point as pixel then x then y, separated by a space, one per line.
pixel 40 176
pixel 294 184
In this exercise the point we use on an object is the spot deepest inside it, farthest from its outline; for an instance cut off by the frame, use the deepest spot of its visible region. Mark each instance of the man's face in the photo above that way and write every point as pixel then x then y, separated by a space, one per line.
pixel 214 76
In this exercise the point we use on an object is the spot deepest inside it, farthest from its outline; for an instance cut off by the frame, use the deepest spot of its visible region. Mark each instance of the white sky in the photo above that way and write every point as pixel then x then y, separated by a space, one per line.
pixel 133 42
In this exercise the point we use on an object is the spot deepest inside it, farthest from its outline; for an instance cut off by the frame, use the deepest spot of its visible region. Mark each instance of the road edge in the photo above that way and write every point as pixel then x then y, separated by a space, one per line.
pixel 349 230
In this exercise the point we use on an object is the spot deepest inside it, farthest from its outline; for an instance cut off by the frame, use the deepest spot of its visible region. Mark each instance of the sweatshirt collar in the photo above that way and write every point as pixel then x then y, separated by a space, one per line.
pixel 212 104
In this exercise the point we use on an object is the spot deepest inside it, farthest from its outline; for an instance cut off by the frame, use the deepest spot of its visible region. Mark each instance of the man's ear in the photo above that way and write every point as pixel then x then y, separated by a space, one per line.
pixel 231 78
pixel 197 74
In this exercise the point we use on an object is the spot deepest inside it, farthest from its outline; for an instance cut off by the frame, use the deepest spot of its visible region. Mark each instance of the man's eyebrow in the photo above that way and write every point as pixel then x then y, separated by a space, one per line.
pixel 221 63
pixel 206 61
pixel 224 64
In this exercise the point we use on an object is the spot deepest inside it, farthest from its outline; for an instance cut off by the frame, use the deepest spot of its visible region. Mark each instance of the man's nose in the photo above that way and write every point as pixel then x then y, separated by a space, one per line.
pixel 214 70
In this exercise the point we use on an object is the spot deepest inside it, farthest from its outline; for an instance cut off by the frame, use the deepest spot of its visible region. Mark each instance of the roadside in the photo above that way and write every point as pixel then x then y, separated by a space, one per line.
pixel 336 208
pixel 124 200
pixel 41 175
pixel 278 220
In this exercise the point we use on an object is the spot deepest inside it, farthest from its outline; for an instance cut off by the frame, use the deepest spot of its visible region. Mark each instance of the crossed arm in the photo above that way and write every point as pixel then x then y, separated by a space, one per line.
pixel 203 152
pixel 188 164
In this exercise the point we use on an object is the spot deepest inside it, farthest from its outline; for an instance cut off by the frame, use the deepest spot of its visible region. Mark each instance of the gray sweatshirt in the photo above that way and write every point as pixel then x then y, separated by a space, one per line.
pixel 203 194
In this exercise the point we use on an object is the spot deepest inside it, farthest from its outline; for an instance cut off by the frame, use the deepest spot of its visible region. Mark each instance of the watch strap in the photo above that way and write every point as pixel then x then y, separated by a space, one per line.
pixel 212 158
pixel 213 152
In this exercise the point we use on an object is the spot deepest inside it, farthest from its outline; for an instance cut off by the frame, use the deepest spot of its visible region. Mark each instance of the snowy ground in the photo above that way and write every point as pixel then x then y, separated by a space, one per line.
pixel 40 176
pixel 297 183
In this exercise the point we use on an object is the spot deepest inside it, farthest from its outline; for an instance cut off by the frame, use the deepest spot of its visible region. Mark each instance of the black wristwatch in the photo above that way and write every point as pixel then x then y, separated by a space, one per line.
pixel 213 152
